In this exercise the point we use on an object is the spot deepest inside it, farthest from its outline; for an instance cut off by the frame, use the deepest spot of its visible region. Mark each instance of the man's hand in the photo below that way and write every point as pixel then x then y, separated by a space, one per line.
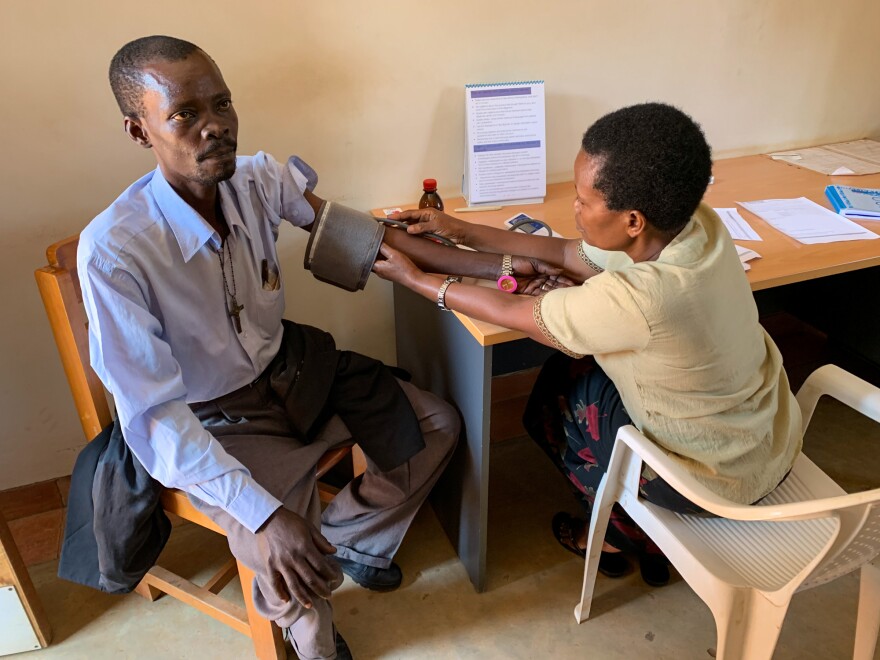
pixel 432 221
pixel 296 554
pixel 395 266
pixel 535 277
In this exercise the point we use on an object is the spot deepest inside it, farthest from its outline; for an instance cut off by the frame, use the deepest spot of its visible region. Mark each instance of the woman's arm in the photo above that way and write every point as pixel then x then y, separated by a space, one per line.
pixel 514 312
pixel 559 252
pixel 435 258
pixel 432 257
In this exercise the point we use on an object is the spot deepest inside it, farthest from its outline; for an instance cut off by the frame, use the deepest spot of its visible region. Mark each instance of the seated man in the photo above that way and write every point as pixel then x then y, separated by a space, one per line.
pixel 215 395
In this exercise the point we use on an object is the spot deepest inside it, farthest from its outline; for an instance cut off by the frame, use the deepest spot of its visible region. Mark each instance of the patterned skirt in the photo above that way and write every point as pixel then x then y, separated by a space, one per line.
pixel 573 414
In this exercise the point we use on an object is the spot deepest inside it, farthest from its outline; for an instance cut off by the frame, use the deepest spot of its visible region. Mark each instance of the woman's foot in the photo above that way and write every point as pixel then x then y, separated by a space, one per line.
pixel 654 569
pixel 572 534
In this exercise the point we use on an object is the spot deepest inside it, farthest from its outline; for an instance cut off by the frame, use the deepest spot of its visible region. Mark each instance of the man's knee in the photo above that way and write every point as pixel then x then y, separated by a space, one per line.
pixel 447 422
pixel 440 422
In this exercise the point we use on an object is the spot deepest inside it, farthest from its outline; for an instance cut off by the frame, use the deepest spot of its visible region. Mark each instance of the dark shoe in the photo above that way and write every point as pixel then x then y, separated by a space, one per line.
pixel 613 564
pixel 377 579
pixel 566 528
pixel 654 569
pixel 342 650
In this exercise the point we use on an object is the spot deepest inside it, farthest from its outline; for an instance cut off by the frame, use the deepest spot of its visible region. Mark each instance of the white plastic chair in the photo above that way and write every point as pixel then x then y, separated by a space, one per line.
pixel 747 563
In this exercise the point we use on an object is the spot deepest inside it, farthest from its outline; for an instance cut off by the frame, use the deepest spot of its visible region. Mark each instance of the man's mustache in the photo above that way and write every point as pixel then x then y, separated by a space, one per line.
pixel 223 146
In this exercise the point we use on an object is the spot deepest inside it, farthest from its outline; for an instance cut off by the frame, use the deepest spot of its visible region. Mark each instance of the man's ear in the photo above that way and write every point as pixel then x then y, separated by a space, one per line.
pixel 635 223
pixel 135 130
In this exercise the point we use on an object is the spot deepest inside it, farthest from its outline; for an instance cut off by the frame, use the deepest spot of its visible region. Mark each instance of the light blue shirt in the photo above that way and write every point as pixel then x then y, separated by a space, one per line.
pixel 160 336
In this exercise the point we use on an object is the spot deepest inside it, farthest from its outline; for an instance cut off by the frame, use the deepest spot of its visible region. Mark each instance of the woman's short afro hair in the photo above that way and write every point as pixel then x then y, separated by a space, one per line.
pixel 651 158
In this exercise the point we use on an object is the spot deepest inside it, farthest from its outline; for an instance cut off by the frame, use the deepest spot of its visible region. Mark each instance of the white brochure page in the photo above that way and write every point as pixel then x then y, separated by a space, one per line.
pixel 806 221
pixel 505 158
pixel 739 229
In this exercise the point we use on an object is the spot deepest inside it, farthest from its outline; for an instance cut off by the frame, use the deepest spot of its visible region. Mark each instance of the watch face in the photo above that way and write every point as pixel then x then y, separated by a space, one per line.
pixel 507 283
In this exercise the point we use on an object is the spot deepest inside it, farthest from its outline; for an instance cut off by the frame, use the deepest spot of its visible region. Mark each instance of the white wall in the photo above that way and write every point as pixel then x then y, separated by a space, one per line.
pixel 371 95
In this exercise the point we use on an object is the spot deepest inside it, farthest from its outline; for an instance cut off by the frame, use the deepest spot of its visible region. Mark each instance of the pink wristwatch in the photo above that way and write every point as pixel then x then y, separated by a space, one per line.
pixel 507 282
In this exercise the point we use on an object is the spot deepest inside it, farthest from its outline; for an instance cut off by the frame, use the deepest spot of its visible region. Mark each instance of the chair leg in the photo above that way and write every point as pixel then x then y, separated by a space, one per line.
pixel 148 591
pixel 358 461
pixel 267 637
pixel 602 506
pixel 748 625
pixel 868 620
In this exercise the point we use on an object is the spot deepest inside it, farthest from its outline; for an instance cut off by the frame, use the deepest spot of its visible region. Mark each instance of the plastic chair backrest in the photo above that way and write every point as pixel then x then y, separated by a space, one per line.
pixel 861 544
pixel 859 539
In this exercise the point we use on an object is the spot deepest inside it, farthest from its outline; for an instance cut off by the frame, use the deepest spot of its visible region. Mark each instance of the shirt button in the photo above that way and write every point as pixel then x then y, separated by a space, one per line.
pixel 245 334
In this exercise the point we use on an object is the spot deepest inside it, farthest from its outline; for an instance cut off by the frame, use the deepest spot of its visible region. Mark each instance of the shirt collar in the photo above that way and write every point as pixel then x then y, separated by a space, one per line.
pixel 190 229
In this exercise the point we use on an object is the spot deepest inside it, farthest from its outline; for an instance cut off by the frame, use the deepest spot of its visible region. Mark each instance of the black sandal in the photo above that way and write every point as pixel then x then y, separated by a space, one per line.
pixel 654 569
pixel 566 528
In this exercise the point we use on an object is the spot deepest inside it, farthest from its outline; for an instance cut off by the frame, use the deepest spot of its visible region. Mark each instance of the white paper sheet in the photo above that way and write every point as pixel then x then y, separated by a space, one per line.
pixel 842 158
pixel 739 229
pixel 746 255
pixel 806 221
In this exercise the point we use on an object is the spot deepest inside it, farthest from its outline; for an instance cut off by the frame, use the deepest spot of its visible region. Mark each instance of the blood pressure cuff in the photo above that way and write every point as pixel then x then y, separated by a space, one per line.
pixel 343 246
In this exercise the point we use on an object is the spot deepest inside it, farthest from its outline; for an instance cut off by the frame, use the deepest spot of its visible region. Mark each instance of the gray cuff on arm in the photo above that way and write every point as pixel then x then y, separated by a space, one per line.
pixel 343 246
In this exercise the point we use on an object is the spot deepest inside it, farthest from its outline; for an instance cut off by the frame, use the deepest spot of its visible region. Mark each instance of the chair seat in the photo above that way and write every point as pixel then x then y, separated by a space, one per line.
pixel 759 554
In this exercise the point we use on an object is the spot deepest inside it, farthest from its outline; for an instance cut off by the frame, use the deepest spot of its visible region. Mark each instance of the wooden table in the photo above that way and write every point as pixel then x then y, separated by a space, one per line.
pixel 456 356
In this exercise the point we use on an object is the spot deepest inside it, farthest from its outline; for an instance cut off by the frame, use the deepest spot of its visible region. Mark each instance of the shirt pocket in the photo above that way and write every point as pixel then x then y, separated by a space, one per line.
pixel 270 309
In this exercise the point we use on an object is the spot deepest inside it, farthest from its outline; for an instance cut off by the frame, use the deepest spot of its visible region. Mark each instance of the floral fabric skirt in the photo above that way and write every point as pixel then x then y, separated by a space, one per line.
pixel 573 414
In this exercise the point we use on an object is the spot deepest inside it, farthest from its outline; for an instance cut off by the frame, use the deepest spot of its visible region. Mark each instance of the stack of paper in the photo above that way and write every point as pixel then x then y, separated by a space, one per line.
pixel 843 158
pixel 807 222
pixel 746 255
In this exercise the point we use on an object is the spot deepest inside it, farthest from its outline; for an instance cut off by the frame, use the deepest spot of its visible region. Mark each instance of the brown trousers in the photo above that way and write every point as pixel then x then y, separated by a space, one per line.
pixel 366 521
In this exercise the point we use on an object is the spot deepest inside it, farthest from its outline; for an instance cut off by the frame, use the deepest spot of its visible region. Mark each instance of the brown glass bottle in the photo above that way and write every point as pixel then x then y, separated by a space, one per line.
pixel 430 198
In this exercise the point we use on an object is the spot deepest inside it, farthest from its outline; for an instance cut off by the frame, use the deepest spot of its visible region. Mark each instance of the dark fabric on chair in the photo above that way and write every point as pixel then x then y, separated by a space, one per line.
pixel 115 527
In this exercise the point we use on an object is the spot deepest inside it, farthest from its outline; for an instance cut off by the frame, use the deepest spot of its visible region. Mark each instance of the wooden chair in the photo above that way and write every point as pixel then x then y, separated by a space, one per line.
pixel 59 287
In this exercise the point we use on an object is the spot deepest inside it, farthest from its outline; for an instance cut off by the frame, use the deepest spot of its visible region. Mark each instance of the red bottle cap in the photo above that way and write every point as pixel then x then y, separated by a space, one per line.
pixel 430 185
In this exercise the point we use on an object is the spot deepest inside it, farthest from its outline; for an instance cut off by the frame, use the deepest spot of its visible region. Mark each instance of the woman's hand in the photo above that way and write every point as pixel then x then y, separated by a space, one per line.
pixel 396 266
pixel 535 277
pixel 541 284
pixel 432 221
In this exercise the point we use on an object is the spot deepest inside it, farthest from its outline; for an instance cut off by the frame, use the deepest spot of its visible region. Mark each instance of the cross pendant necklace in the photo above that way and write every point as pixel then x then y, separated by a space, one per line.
pixel 232 306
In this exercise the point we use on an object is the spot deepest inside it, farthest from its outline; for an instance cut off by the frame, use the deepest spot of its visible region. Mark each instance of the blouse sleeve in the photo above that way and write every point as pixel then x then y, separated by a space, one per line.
pixel 600 316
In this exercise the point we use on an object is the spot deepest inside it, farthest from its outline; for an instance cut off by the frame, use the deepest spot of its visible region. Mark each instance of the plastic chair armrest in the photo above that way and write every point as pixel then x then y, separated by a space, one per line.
pixel 680 480
pixel 850 390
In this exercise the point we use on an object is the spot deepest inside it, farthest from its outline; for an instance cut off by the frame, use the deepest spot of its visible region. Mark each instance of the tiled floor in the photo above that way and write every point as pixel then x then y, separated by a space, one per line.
pixel 526 611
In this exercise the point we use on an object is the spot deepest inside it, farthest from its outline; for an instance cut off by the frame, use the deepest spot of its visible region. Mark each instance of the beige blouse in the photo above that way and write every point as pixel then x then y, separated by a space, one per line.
pixel 680 339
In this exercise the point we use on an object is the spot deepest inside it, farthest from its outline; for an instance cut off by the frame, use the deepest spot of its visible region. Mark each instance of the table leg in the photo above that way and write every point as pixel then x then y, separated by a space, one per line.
pixel 445 359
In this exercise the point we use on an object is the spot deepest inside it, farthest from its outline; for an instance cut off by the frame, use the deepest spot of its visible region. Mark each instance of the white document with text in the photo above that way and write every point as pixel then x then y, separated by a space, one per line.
pixel 806 221
pixel 505 158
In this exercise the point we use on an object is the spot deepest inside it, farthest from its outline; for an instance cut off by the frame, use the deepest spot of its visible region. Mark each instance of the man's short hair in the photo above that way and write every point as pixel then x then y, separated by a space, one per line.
pixel 652 158
pixel 126 68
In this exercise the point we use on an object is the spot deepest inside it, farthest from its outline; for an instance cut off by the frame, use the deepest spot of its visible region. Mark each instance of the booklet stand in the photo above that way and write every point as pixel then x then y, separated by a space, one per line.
pixel 505 158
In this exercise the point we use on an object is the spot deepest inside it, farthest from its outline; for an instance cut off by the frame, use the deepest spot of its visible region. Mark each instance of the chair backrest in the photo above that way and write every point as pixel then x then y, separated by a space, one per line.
pixel 59 287
pixel 859 539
